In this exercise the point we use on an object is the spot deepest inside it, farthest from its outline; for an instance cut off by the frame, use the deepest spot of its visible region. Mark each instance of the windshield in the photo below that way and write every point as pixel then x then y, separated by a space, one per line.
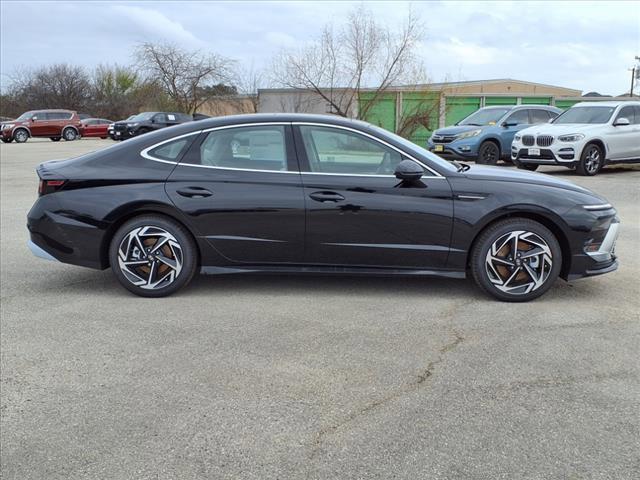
pixel 586 115
pixel 414 148
pixel 141 117
pixel 25 116
pixel 485 116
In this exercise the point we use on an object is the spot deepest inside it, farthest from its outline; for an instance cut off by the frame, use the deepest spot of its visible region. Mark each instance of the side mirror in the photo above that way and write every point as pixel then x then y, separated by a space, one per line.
pixel 509 124
pixel 551 120
pixel 621 122
pixel 33 119
pixel 408 170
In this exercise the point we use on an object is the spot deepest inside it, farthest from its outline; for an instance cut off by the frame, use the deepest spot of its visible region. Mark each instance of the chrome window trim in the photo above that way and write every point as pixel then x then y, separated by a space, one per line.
pixel 145 153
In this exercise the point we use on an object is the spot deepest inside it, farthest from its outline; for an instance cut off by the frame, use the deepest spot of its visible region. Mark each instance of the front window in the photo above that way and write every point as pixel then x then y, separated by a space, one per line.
pixel 588 115
pixel 331 150
pixel 484 116
pixel 25 116
pixel 247 148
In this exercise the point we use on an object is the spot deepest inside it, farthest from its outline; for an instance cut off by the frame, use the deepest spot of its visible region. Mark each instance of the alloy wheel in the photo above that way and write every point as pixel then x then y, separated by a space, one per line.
pixel 150 257
pixel 519 262
pixel 21 136
pixel 592 160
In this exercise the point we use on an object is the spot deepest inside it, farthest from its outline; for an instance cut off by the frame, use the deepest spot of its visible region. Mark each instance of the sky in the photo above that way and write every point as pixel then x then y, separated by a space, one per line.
pixel 589 46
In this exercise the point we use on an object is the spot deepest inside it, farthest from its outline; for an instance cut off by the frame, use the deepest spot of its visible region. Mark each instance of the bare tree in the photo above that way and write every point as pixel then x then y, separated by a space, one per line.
pixel 347 59
pixel 183 74
pixel 248 79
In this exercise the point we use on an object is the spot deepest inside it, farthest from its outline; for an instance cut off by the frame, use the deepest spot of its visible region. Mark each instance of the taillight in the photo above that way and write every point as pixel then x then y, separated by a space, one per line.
pixel 49 186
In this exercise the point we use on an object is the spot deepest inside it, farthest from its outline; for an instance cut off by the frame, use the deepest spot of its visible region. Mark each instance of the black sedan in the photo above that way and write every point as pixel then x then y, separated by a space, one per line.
pixel 313 194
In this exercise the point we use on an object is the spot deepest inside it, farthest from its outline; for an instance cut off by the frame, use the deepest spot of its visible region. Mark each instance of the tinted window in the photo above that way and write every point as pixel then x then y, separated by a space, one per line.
pixel 519 117
pixel 332 150
pixel 636 109
pixel 160 118
pixel 539 116
pixel 247 148
pixel 169 151
pixel 628 112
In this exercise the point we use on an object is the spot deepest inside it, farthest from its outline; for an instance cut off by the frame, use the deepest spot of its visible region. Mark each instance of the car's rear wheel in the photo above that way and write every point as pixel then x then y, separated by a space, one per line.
pixel 516 260
pixel 20 135
pixel 54 139
pixel 153 256
pixel 69 134
pixel 591 160
pixel 488 153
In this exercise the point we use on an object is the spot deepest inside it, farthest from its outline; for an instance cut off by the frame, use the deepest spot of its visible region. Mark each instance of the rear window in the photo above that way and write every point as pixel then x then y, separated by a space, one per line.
pixel 169 151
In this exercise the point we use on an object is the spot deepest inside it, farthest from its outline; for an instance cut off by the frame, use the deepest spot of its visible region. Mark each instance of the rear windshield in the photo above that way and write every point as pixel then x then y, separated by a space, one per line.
pixel 586 115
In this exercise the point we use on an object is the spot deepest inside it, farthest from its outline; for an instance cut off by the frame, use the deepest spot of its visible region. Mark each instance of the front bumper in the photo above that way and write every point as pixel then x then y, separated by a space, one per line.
pixel 599 262
pixel 566 156
pixel 456 150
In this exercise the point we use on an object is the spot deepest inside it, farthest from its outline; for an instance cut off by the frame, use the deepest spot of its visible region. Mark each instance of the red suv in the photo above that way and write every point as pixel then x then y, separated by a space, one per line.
pixel 55 124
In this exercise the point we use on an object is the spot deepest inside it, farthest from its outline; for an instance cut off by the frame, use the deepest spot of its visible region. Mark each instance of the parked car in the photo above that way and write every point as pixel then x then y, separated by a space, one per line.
pixel 146 122
pixel 95 127
pixel 55 124
pixel 486 135
pixel 110 128
pixel 312 194
pixel 586 137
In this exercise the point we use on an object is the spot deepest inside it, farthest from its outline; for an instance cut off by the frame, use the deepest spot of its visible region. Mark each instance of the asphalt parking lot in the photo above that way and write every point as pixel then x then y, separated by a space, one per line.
pixel 313 377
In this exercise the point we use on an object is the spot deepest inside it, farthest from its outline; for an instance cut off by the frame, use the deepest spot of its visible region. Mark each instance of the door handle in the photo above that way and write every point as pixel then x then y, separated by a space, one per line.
pixel 194 192
pixel 326 196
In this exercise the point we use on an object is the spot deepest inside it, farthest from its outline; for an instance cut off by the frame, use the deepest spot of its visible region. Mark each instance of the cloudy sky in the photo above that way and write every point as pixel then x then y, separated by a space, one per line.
pixel 583 45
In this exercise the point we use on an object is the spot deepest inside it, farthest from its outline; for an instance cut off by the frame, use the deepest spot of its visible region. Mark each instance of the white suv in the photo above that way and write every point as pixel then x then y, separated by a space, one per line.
pixel 584 137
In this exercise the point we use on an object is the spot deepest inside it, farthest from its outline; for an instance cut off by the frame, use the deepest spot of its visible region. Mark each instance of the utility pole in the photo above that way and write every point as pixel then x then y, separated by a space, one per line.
pixel 633 76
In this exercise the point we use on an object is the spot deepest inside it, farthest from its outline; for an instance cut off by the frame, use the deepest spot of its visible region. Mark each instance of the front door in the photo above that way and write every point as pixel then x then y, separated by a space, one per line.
pixel 359 214
pixel 624 140
pixel 241 189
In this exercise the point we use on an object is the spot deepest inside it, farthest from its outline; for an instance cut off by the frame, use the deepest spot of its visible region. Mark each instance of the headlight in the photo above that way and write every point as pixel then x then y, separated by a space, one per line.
pixel 517 138
pixel 110 125
pixel 7 126
pixel 469 134
pixel 573 137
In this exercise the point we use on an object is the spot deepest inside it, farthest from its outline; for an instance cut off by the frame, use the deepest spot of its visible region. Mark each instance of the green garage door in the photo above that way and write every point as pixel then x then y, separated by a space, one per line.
pixel 382 112
pixel 493 101
pixel 564 104
pixel 420 113
pixel 536 100
pixel 458 108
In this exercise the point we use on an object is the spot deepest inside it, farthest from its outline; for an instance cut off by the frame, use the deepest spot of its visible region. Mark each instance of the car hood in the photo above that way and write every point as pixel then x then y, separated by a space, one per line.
pixel 503 174
pixel 560 129
pixel 456 130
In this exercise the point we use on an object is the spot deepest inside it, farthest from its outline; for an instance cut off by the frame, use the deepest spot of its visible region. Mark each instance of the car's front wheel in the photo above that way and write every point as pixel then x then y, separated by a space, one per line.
pixel 7 140
pixel 516 260
pixel 21 135
pixel 488 153
pixel 591 160
pixel 69 134
pixel 153 256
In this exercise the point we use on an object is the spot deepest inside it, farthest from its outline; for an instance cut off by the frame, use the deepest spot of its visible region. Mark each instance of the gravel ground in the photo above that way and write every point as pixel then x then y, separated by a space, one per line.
pixel 313 377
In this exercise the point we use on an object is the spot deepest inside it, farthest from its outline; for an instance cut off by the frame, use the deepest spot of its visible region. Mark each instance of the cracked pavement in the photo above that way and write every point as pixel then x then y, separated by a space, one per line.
pixel 313 377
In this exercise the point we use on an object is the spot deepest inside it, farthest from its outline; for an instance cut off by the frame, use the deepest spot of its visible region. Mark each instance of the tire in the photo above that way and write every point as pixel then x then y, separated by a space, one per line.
pixel 519 278
pixel 591 160
pixel 142 131
pixel 488 153
pixel 20 135
pixel 54 139
pixel 7 140
pixel 532 167
pixel 69 134
pixel 153 275
pixel 103 138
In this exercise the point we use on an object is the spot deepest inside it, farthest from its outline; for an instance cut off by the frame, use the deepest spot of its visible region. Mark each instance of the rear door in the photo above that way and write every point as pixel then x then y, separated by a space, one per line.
pixel 515 122
pixel 624 140
pixel 359 214
pixel 240 187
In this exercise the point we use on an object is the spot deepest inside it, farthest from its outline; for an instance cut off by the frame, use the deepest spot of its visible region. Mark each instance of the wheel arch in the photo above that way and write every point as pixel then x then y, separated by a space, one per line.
pixel 69 126
pixel 545 218
pixel 600 143
pixel 126 213
pixel 21 127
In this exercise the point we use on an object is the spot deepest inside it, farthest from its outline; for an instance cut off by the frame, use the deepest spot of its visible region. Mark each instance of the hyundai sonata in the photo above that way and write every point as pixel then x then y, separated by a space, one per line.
pixel 314 194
